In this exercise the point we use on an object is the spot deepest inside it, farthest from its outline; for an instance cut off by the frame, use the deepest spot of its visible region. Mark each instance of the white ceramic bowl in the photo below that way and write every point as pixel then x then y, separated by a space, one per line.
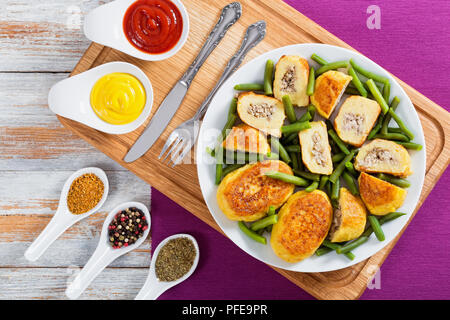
pixel 104 25
pixel 215 120
pixel 70 97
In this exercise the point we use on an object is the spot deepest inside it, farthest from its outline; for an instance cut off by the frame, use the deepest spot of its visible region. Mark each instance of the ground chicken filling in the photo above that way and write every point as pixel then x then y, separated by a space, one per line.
pixel 261 110
pixel 337 220
pixel 288 80
pixel 353 122
pixel 377 155
pixel 318 151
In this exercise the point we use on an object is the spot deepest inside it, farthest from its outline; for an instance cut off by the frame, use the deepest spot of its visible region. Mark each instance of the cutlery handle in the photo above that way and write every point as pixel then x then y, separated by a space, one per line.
pixel 99 260
pixel 255 34
pixel 151 290
pixel 52 231
pixel 230 14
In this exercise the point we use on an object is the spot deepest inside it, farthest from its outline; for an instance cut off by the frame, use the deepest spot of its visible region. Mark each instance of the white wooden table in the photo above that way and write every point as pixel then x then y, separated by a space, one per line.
pixel 40 43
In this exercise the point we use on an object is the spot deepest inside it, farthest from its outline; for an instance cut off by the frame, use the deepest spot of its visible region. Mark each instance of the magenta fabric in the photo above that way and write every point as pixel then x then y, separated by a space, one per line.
pixel 413 43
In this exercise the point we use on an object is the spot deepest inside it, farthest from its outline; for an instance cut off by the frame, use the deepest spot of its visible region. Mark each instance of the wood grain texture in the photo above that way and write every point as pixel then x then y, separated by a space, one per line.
pixel 282 20
pixel 42 35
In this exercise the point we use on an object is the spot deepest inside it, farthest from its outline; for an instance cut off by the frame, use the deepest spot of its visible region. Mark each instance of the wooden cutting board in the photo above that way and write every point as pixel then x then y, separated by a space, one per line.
pixel 285 26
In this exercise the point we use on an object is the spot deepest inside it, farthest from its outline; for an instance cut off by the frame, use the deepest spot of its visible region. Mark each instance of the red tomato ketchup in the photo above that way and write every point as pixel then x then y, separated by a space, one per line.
pixel 153 26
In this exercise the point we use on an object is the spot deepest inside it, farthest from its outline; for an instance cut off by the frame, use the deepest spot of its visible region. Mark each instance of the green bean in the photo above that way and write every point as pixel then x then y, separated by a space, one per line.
pixel 335 246
pixel 287 178
pixel 358 84
pixel 402 183
pixel 391 216
pixel 392 136
pixel 338 157
pixel 348 178
pixel 278 147
pixel 367 73
pixel 251 234
pixel 387 118
pixel 293 148
pixel 352 91
pixel 210 151
pixel 233 108
pixel 341 166
pixel 312 111
pixel 268 78
pixel 328 188
pixel 410 145
pixel 243 157
pixel 289 109
pixel 332 66
pixel 230 123
pixel 322 251
pixel 313 186
pixel 376 227
pixel 295 160
pixel 219 173
pixel 323 182
pixel 376 128
pixel 352 245
pixel 305 117
pixel 271 211
pixel 264 222
pixel 401 124
pixel 318 59
pixel 335 190
pixel 386 91
pixel 394 130
pixel 338 141
pixel 307 175
pixel 249 87
pixel 351 169
pixel 311 82
pixel 231 168
pixel 295 127
pixel 377 95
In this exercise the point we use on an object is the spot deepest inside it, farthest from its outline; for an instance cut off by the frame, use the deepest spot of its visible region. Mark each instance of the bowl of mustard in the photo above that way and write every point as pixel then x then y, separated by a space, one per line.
pixel 115 97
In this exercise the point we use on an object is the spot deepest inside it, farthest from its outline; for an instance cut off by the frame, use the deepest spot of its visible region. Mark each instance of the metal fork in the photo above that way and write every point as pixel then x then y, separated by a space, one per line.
pixel 184 136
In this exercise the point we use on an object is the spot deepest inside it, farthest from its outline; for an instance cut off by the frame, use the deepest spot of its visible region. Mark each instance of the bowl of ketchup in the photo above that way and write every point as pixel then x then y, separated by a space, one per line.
pixel 146 29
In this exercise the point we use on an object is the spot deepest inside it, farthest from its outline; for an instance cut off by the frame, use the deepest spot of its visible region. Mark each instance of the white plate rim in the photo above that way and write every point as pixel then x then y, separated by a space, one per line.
pixel 331 261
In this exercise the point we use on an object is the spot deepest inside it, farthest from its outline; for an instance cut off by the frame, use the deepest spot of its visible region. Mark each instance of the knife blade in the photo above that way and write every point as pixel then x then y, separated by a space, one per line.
pixel 158 123
pixel 230 14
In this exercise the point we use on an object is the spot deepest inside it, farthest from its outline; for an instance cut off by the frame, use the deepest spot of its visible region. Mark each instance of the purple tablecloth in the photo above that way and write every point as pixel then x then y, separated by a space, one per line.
pixel 413 43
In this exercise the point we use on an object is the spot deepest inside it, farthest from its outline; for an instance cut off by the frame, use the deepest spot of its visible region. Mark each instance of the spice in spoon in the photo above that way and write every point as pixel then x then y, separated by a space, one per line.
pixel 175 259
pixel 85 193
pixel 127 227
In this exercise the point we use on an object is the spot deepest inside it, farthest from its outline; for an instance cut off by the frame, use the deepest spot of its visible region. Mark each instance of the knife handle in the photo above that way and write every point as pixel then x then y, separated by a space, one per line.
pixel 230 14
pixel 254 35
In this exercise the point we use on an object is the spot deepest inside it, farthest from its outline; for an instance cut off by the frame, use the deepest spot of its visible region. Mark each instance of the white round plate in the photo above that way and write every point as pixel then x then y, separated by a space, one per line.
pixel 214 121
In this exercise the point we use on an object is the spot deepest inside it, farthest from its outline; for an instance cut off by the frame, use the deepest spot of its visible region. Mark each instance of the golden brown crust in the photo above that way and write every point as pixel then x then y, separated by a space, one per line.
pixel 350 219
pixel 303 223
pixel 298 92
pixel 261 112
pixel 246 139
pixel 380 197
pixel 328 89
pixel 384 156
pixel 246 194
pixel 355 119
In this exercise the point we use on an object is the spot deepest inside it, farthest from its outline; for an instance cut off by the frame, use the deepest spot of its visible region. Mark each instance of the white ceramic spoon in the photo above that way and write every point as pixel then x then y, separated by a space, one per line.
pixel 63 218
pixel 105 254
pixel 153 287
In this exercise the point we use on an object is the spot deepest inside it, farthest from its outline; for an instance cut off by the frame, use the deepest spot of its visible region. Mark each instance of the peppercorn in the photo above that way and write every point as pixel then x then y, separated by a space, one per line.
pixel 130 228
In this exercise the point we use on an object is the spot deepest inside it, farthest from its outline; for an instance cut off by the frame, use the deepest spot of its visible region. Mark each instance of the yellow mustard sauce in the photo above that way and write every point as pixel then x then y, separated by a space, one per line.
pixel 118 98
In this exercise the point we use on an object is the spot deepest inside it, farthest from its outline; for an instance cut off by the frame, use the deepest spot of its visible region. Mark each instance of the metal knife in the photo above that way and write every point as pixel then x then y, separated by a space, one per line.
pixel 230 14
